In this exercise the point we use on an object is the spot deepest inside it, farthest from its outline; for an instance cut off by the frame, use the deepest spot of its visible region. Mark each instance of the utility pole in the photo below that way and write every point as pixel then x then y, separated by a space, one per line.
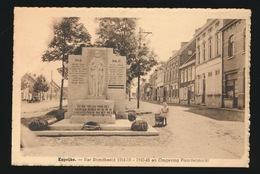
pixel 51 86
pixel 140 33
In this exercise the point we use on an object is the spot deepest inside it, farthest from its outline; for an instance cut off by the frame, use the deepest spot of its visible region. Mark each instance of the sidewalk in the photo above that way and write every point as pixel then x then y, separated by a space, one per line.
pixel 200 106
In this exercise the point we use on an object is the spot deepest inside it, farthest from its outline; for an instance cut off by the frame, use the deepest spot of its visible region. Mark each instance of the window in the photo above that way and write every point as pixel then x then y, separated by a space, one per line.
pixel 185 93
pixel 176 71
pixel 198 55
pixel 231 46
pixel 203 51
pixel 217 72
pixel 186 75
pixel 217 44
pixel 189 74
pixel 210 48
pixel 182 76
pixel 193 73
pixel 198 84
pixel 172 73
pixel 231 80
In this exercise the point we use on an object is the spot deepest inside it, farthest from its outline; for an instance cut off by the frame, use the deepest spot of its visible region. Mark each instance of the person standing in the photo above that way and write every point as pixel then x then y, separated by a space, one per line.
pixel 164 113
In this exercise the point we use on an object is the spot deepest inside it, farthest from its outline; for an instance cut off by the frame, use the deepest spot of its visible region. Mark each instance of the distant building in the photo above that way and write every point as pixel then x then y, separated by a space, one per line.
pixel 27 92
pixel 171 78
pixel 159 84
pixel 27 82
pixel 187 73
pixel 54 91
pixel 234 46
pixel 172 74
pixel 209 63
pixel 152 82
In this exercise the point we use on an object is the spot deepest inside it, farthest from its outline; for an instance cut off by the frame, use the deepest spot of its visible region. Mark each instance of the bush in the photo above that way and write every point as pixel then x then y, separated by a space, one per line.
pixel 38 124
pixel 132 116
pixel 91 125
pixel 60 116
pixel 139 125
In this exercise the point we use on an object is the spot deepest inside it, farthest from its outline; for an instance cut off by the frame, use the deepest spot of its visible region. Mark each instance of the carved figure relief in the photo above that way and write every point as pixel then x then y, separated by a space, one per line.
pixel 97 75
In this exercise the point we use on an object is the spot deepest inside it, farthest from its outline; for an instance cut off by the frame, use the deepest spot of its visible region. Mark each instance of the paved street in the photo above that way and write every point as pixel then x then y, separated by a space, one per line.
pixel 187 135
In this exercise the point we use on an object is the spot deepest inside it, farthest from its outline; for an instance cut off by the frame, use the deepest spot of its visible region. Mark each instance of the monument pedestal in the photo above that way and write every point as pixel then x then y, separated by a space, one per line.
pixel 96 110
pixel 98 119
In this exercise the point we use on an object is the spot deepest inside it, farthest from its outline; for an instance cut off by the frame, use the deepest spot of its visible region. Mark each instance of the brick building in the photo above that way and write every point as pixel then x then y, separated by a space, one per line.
pixel 234 46
pixel 187 73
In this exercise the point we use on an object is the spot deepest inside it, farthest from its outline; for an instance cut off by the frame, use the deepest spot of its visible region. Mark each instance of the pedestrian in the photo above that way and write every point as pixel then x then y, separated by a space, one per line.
pixel 164 113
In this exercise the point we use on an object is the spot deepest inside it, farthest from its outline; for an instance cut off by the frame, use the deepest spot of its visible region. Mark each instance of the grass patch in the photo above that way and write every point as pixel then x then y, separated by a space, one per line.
pixel 48 116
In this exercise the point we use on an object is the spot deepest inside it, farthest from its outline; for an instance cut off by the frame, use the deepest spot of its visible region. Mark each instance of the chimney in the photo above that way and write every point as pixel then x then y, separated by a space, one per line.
pixel 183 43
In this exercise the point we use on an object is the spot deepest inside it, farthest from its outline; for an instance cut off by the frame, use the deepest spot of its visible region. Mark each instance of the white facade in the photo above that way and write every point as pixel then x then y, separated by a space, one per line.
pixel 209 63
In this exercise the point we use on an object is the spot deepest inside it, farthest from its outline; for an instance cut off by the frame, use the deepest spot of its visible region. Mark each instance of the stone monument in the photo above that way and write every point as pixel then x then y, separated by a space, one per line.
pixel 96 86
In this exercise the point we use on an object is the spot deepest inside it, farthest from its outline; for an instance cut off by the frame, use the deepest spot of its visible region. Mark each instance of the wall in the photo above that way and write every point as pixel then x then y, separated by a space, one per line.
pixel 209 64
pixel 235 64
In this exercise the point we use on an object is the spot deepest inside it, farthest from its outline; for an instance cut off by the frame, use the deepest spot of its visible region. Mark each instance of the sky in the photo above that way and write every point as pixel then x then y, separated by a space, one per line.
pixel 33 31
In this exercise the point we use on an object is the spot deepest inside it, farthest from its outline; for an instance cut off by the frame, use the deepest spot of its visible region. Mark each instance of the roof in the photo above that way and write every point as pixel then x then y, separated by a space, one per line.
pixel 189 61
pixel 30 76
pixel 54 84
pixel 183 48
pixel 231 22
pixel 205 26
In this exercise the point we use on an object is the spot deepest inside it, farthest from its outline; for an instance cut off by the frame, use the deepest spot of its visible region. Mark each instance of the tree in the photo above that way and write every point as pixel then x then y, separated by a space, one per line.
pixel 40 85
pixel 120 34
pixel 69 34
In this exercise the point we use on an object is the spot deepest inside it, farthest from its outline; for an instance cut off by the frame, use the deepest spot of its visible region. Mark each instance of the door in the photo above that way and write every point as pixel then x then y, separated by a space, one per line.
pixel 235 93
pixel 188 97
pixel 203 90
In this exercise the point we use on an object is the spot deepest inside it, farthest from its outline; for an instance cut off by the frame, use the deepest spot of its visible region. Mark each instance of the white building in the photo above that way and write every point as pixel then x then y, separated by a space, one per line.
pixel 209 63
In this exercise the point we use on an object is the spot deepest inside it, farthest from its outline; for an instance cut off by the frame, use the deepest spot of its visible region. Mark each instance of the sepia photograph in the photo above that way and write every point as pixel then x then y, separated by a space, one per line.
pixel 157 87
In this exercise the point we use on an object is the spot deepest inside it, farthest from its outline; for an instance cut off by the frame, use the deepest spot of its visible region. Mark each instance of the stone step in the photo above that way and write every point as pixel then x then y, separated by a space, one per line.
pixel 122 127
pixel 149 132
pixel 120 124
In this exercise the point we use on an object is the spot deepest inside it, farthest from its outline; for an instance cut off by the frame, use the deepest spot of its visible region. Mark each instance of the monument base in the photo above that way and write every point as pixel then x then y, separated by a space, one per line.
pixel 122 115
pixel 98 119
